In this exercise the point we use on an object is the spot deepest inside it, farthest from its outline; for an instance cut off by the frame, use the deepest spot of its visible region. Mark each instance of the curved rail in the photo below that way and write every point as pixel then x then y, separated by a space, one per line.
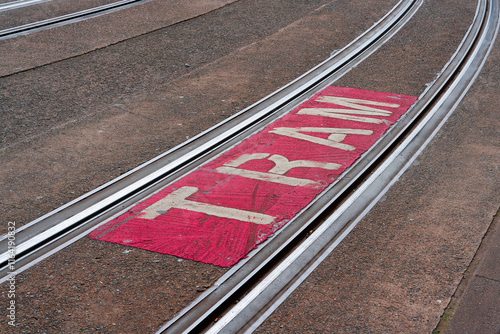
pixel 19 4
pixel 68 18
pixel 72 221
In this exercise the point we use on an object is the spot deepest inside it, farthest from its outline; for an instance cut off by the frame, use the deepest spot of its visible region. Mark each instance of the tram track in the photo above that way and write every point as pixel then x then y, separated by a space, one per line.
pixel 322 233
pixel 19 4
pixel 59 20
pixel 42 235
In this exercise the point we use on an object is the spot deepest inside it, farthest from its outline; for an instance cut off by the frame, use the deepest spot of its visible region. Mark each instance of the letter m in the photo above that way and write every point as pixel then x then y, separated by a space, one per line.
pixel 353 107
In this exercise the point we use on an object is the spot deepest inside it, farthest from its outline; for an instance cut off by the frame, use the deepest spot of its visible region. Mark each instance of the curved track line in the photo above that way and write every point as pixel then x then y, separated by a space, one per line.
pixel 64 19
pixel 370 192
pixel 19 4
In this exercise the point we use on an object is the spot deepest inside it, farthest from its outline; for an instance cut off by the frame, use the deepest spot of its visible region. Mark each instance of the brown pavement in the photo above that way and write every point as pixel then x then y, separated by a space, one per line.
pixel 74 124
pixel 476 307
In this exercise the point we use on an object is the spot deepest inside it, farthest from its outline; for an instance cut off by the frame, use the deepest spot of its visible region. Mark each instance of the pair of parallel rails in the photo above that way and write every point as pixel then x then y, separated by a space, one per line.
pixel 270 273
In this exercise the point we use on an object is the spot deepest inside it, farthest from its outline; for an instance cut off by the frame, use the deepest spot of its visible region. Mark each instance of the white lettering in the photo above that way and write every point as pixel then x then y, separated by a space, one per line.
pixel 282 165
pixel 357 108
pixel 177 200
pixel 334 140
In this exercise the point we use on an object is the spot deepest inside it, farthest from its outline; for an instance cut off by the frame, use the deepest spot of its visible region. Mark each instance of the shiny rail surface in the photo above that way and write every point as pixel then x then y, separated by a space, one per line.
pixel 64 19
pixel 423 121
pixel 19 4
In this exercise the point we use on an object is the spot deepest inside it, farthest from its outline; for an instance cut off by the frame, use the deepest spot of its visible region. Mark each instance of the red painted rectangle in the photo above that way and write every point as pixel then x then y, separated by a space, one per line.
pixel 219 212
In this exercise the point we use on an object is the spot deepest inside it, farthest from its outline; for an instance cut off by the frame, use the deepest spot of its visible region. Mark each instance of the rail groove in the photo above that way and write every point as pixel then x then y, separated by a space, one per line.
pixel 55 21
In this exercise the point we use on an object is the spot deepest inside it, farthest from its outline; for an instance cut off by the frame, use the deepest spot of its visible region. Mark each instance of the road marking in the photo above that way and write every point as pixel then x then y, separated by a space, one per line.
pixel 276 173
pixel 220 211
pixel 334 139
pixel 177 200
pixel 356 106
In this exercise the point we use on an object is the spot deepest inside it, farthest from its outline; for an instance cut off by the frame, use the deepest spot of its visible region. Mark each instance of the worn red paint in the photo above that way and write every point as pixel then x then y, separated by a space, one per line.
pixel 186 230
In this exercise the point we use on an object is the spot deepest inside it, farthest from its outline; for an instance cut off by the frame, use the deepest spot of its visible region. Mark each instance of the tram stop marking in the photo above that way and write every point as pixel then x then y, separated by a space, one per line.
pixel 219 212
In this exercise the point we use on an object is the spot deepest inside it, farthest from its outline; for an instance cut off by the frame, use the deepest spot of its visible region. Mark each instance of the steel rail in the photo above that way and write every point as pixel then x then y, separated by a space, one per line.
pixel 19 4
pixel 53 231
pixel 63 19
pixel 457 77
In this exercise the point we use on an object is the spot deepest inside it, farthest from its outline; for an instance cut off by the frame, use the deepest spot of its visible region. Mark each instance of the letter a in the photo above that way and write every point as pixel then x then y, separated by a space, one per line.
pixel 356 108
pixel 334 140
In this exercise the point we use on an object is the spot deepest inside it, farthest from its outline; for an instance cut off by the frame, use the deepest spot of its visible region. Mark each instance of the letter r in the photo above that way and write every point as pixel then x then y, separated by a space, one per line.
pixel 276 174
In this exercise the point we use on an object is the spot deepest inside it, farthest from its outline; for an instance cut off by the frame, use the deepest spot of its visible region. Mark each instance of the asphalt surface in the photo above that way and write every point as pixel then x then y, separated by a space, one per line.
pixel 77 111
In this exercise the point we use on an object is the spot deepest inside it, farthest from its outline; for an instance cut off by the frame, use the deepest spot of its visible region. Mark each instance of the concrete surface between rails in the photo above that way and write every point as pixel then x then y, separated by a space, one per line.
pixel 81 120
